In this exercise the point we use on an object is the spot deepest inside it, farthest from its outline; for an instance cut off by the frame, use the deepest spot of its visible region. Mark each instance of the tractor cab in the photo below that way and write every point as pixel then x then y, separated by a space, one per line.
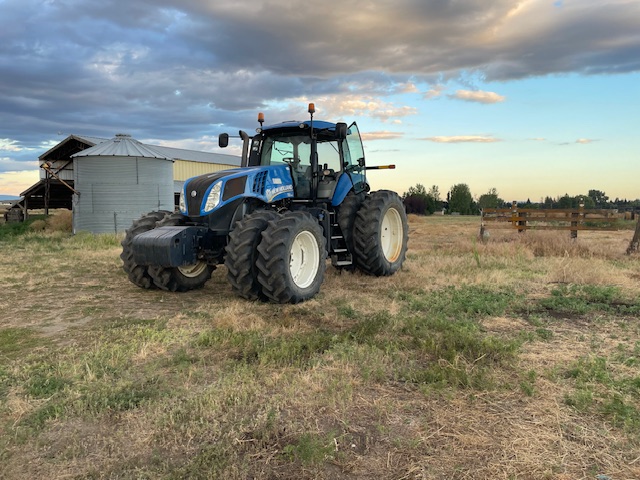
pixel 325 160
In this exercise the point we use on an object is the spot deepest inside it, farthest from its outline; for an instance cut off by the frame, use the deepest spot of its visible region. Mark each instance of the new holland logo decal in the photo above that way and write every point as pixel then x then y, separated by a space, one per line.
pixel 272 193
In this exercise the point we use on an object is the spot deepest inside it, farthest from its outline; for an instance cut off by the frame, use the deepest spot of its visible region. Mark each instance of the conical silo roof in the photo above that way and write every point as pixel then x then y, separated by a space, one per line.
pixel 122 145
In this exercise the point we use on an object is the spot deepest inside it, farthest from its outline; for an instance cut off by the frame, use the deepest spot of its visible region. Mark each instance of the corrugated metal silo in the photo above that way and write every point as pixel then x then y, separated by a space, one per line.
pixel 119 181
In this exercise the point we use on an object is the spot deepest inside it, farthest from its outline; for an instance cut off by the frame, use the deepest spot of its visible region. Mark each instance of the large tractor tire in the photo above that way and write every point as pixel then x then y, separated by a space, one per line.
pixel 380 234
pixel 292 258
pixel 347 216
pixel 138 274
pixel 242 254
pixel 180 279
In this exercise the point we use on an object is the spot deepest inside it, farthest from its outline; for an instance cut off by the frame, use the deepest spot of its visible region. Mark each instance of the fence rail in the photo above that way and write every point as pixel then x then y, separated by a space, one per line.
pixel 572 220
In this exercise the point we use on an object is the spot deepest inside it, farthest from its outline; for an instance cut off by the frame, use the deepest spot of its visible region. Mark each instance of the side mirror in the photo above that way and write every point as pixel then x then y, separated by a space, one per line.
pixel 341 131
pixel 223 140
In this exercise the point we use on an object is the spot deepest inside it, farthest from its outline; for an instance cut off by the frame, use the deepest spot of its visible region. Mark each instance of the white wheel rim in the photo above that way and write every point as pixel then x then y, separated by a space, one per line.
pixel 391 235
pixel 304 259
pixel 194 270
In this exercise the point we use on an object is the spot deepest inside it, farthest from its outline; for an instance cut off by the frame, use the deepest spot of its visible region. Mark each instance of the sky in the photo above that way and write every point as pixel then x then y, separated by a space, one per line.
pixel 533 98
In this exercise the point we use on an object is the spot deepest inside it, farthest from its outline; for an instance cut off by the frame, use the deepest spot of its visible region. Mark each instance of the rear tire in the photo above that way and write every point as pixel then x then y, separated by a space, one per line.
pixel 381 233
pixel 180 279
pixel 292 258
pixel 138 274
pixel 242 254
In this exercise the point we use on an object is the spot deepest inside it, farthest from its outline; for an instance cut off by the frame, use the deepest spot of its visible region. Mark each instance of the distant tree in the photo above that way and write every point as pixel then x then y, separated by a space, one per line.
pixel 586 200
pixel 600 199
pixel 490 200
pixel 416 204
pixel 434 192
pixel 460 199
pixel 548 202
pixel 417 190
pixel 565 201
pixel 418 201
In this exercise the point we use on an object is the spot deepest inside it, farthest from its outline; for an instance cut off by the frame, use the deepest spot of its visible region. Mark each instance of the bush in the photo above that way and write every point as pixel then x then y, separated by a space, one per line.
pixel 61 221
pixel 37 225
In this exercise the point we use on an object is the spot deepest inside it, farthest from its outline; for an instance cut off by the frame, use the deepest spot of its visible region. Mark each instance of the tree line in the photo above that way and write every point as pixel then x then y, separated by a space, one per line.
pixel 459 200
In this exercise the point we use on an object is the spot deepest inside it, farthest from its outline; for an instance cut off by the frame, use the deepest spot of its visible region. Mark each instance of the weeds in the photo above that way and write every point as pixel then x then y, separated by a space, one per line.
pixel 583 299
pixel 310 449
pixel 598 389
pixel 14 341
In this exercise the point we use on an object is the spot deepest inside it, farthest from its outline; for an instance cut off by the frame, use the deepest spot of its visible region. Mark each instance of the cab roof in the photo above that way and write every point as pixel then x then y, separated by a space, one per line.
pixel 317 125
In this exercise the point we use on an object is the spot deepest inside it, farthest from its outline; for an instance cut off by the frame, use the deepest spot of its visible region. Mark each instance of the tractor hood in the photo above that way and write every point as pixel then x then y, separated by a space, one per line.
pixel 203 194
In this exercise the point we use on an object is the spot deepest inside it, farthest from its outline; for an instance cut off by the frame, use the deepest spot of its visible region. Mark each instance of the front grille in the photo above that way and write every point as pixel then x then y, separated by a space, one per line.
pixel 259 183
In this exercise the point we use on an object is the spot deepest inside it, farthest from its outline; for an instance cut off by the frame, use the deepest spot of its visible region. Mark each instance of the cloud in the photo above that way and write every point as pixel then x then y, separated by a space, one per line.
pixel 435 91
pixel 8 164
pixel 478 96
pixel 8 145
pixel 462 139
pixel 381 135
pixel 13 183
pixel 408 87
pixel 350 107
pixel 585 140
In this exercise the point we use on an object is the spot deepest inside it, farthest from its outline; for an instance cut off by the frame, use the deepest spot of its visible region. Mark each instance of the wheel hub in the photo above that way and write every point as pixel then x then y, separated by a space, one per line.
pixel 304 259
pixel 391 233
pixel 194 270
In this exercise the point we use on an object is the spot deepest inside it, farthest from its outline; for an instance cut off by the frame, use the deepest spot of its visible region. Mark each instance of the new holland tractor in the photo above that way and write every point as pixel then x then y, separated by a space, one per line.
pixel 300 196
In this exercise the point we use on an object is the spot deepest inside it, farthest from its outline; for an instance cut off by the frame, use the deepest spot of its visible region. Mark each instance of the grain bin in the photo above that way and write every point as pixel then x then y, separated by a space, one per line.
pixel 118 181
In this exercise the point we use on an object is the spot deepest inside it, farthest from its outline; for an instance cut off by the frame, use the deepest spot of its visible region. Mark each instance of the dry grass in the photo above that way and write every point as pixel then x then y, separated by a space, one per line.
pixel 60 221
pixel 99 379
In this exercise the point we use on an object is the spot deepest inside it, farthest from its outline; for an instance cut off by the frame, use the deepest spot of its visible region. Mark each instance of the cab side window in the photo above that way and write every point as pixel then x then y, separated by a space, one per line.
pixel 329 155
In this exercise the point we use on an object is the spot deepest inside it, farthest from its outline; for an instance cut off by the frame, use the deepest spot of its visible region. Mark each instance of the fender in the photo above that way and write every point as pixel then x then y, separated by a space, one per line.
pixel 345 184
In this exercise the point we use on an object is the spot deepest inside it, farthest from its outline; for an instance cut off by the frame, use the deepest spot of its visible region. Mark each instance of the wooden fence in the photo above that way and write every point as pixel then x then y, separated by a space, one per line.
pixel 573 220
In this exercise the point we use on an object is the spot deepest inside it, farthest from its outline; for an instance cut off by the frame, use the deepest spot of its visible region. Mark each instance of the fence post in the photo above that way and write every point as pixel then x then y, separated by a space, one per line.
pixel 514 216
pixel 635 242
pixel 523 221
pixel 483 233
pixel 576 218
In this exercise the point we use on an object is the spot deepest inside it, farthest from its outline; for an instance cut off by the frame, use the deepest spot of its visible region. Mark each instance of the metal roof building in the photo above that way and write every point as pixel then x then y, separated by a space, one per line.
pixel 57 175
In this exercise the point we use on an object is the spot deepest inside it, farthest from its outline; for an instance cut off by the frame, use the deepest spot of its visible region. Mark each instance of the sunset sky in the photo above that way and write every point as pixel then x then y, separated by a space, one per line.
pixel 531 97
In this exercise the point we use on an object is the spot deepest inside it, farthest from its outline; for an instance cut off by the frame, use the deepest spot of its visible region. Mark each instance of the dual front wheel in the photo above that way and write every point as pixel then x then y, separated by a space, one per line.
pixel 281 258
pixel 174 279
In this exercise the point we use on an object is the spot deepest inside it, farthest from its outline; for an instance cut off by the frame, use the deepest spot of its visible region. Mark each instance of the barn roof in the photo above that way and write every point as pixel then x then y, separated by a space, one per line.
pixel 122 145
pixel 106 147
pixel 70 145
pixel 197 156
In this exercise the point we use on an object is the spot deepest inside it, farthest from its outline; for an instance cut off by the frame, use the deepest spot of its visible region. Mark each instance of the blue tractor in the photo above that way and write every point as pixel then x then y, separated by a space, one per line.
pixel 300 196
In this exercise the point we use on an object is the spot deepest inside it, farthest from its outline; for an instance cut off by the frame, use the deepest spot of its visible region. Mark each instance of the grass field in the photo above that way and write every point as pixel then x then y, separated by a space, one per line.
pixel 514 359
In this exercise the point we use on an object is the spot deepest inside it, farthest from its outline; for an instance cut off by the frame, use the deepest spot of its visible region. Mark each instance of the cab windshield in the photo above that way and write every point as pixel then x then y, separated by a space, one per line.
pixel 295 150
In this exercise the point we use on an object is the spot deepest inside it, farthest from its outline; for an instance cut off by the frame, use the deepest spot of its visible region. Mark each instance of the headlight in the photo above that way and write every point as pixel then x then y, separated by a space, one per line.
pixel 182 204
pixel 213 199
